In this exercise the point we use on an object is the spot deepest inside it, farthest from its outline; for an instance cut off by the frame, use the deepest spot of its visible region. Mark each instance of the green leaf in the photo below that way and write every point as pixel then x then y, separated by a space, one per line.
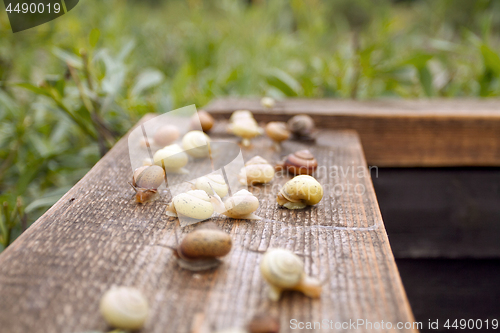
pixel 94 37
pixel 284 82
pixel 72 59
pixel 425 77
pixel 147 79
pixel 491 59
pixel 33 88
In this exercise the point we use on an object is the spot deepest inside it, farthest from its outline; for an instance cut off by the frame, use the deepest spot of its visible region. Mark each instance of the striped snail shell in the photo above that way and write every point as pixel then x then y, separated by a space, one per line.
pixel 299 192
pixel 256 171
pixel 301 162
pixel 124 308
pixel 284 270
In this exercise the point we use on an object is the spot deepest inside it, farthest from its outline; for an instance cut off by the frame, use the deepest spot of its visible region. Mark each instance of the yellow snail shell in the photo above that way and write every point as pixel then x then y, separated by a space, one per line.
pixel 256 171
pixel 205 120
pixel 277 131
pixel 195 204
pixel 284 270
pixel 149 177
pixel 211 183
pixel 240 206
pixel 299 163
pixel 196 144
pixel 166 135
pixel 124 308
pixel 243 124
pixel 172 158
pixel 299 192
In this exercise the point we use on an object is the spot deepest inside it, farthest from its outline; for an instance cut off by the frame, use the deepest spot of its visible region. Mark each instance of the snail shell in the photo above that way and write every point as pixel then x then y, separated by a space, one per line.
pixel 194 204
pixel 267 102
pixel 205 120
pixel 211 183
pixel 124 308
pixel 301 125
pixel 299 192
pixel 243 124
pixel 284 270
pixel 172 158
pixel 196 144
pixel 144 143
pixel 166 135
pixel 256 171
pixel 240 206
pixel 277 131
pixel 299 163
pixel 204 244
pixel 148 177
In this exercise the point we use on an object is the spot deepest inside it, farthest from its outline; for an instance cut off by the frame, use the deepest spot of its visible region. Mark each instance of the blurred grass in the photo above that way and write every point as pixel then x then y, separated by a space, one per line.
pixel 70 88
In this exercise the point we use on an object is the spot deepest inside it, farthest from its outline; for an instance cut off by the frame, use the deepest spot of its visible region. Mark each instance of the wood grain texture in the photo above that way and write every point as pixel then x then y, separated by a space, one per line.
pixel 53 276
pixel 398 133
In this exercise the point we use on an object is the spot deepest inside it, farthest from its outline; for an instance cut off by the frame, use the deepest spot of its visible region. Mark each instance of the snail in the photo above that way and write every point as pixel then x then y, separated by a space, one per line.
pixel 204 119
pixel 267 102
pixel 264 323
pixel 196 144
pixel 211 183
pixel 240 206
pixel 166 135
pixel 301 126
pixel 172 158
pixel 243 124
pixel 145 182
pixel 299 163
pixel 283 270
pixel 124 307
pixel 200 248
pixel 299 192
pixel 148 176
pixel 193 204
pixel 278 132
pixel 256 171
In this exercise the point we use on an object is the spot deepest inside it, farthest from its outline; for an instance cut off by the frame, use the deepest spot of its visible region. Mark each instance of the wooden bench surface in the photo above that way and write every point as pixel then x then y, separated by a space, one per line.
pixel 53 276
pixel 398 133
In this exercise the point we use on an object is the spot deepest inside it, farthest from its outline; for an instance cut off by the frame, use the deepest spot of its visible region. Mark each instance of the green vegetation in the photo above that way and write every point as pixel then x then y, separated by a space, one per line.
pixel 70 88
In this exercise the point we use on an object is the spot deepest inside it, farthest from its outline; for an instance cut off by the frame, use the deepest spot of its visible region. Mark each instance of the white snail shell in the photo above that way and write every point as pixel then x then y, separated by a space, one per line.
pixel 299 192
pixel 243 124
pixel 284 270
pixel 172 157
pixel 267 102
pixel 213 182
pixel 256 171
pixel 196 144
pixel 124 308
pixel 166 135
pixel 195 204
pixel 242 205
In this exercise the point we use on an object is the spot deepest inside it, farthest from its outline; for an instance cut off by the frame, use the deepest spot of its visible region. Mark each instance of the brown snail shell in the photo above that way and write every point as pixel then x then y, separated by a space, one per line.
pixel 148 177
pixel 200 249
pixel 277 131
pixel 301 162
pixel 301 126
pixel 206 121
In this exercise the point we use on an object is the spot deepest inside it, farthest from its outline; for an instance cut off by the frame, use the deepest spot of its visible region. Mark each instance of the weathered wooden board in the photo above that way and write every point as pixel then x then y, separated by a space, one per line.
pixel 53 276
pixel 398 133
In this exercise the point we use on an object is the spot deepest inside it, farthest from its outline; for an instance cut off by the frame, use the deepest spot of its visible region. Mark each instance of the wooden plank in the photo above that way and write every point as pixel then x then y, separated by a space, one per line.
pixel 398 133
pixel 53 276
